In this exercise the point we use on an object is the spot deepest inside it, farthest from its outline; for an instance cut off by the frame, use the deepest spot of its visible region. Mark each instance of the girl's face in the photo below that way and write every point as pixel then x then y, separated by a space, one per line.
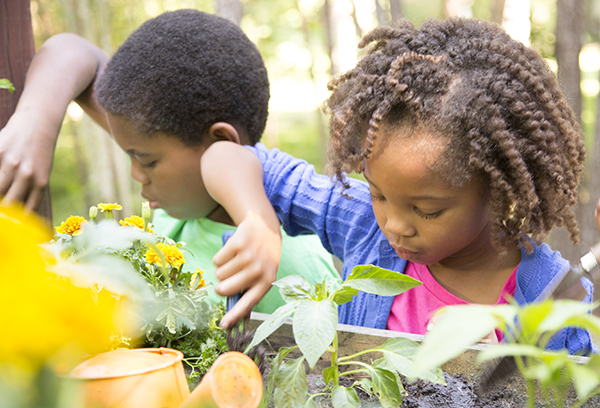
pixel 168 170
pixel 425 220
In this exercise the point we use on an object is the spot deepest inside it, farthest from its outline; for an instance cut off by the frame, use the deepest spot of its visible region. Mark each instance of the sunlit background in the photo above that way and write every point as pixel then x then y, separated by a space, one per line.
pixel 303 43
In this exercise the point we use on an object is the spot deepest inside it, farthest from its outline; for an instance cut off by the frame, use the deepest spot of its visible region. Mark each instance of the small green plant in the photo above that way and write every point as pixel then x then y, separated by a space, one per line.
pixel 6 84
pixel 314 309
pixel 528 330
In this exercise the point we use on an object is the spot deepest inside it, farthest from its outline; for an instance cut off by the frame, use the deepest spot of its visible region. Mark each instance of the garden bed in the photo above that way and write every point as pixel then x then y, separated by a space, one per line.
pixel 462 373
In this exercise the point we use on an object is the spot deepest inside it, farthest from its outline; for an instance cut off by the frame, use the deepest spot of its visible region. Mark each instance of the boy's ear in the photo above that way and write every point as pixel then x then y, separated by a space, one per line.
pixel 223 131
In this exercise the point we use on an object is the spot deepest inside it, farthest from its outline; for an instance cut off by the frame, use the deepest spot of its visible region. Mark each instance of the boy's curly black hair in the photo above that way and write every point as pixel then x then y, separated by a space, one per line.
pixel 495 100
pixel 183 71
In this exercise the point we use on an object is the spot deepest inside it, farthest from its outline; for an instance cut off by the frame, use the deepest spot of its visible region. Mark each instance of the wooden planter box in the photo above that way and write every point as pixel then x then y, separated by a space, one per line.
pixel 352 339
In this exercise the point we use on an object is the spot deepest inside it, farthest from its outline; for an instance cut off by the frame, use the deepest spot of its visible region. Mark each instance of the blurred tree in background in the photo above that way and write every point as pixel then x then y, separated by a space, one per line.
pixel 304 43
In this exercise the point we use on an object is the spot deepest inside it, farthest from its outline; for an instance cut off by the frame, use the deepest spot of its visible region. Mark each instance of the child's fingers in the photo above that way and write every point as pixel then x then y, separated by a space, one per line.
pixel 243 307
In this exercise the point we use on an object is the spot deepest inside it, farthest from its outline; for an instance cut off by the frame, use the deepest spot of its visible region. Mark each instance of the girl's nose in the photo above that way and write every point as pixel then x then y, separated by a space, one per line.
pixel 138 174
pixel 400 226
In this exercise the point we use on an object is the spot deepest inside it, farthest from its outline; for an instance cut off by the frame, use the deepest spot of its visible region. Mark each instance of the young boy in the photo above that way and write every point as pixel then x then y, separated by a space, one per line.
pixel 180 82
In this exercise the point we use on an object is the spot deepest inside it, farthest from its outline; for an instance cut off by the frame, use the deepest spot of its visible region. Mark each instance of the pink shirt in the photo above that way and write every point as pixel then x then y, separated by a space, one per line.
pixel 424 300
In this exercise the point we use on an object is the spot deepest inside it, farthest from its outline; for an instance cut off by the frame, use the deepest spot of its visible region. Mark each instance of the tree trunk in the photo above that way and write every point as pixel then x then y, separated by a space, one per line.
pixel 498 11
pixel 396 10
pixel 569 31
pixel 330 35
pixel 16 50
pixel 379 13
pixel 231 10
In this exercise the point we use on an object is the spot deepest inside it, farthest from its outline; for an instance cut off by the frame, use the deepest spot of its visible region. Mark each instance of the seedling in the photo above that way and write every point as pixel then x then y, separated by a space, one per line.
pixel 528 331
pixel 314 309
pixel 6 84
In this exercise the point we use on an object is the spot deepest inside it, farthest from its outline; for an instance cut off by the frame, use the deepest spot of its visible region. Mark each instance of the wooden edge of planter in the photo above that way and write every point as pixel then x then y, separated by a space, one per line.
pixel 352 339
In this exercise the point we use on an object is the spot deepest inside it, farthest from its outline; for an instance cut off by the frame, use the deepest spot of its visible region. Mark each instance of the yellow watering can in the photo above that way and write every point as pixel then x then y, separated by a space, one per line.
pixel 155 378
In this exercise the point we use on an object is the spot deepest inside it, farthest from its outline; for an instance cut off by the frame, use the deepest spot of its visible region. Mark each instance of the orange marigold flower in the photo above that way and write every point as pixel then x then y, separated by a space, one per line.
pixel 172 254
pixel 104 207
pixel 72 225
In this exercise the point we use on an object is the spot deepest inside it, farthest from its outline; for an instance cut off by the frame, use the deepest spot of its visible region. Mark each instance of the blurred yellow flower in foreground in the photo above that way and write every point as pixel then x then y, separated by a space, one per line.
pixel 43 314
pixel 201 283
pixel 171 253
pixel 72 225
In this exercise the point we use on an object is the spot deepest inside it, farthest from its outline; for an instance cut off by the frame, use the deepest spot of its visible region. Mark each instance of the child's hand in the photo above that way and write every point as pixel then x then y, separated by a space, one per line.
pixel 247 262
pixel 26 154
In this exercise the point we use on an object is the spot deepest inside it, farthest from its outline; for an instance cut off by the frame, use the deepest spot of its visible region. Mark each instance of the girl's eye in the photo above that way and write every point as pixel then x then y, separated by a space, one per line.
pixel 149 165
pixel 375 198
pixel 427 216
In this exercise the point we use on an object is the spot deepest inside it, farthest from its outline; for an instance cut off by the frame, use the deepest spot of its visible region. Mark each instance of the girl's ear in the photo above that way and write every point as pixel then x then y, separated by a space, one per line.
pixel 223 131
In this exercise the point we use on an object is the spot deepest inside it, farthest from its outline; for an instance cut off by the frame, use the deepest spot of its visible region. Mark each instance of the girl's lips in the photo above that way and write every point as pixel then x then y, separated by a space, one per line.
pixel 153 204
pixel 402 253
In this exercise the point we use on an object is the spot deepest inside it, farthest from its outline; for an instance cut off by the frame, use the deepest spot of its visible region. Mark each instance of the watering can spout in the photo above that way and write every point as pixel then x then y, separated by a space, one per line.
pixel 154 378
pixel 233 381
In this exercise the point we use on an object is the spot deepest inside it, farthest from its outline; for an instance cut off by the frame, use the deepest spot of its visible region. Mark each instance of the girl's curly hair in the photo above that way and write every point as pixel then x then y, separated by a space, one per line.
pixel 493 98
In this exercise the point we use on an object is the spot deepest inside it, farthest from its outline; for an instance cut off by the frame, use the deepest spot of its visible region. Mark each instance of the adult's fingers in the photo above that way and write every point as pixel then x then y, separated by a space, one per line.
pixel 597 215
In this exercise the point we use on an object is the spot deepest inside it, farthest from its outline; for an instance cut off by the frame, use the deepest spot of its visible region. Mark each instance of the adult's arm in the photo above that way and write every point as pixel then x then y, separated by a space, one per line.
pixel 64 69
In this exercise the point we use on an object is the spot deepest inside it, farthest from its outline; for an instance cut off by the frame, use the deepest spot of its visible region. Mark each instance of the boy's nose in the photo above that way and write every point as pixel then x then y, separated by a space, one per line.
pixel 138 174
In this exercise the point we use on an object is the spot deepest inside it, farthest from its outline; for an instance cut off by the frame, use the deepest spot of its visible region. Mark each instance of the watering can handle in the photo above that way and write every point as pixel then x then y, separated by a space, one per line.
pixel 231 300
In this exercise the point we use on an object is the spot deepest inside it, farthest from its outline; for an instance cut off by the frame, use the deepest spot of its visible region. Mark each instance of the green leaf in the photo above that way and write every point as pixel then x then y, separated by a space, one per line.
pixel 328 374
pixel 310 403
pixel 315 324
pixel 275 363
pixel 291 384
pixel 503 350
pixel 564 313
pixel 366 384
pixel 584 379
pixel 107 234
pixel 385 386
pixel 294 287
pixel 109 271
pixel 399 345
pixel 6 84
pixel 530 317
pixel 343 397
pixel 343 294
pixel 458 328
pixel 272 323
pixel 380 281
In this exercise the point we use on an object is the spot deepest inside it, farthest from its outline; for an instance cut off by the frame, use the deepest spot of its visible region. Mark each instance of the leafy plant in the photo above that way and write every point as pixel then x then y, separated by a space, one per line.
pixel 176 313
pixel 528 330
pixel 314 309
pixel 6 84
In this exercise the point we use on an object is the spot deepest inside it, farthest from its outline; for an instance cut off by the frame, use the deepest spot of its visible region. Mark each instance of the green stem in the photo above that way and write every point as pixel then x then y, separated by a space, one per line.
pixel 349 372
pixel 334 361
pixel 360 353
pixel 530 394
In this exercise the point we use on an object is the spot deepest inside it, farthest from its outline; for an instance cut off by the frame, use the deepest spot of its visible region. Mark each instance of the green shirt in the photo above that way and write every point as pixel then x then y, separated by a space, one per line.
pixel 303 255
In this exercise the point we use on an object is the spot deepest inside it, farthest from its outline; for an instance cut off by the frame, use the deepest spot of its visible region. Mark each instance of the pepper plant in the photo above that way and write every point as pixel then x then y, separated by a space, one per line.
pixel 315 319
pixel 527 332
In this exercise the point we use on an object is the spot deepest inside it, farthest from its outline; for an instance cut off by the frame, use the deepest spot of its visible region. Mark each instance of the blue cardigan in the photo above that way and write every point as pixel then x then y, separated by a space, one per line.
pixel 310 203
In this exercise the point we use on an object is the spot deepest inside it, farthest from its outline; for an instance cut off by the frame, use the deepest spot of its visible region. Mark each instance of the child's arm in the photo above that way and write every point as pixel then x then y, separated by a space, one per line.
pixel 234 178
pixel 62 70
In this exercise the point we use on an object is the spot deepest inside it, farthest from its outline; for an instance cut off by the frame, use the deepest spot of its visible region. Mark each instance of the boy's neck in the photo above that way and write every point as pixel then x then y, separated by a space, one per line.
pixel 481 280
pixel 220 215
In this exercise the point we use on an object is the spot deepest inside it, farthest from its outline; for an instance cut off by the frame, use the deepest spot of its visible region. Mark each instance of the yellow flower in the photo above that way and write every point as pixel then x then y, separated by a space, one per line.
pixel 172 255
pixel 45 314
pixel 201 282
pixel 134 221
pixel 72 225
pixel 104 207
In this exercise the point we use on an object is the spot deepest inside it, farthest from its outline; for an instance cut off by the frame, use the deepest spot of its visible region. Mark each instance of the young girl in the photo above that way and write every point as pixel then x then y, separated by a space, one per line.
pixel 471 156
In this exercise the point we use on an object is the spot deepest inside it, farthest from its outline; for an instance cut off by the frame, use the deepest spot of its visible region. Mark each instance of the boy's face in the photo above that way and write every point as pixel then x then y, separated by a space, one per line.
pixel 168 170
